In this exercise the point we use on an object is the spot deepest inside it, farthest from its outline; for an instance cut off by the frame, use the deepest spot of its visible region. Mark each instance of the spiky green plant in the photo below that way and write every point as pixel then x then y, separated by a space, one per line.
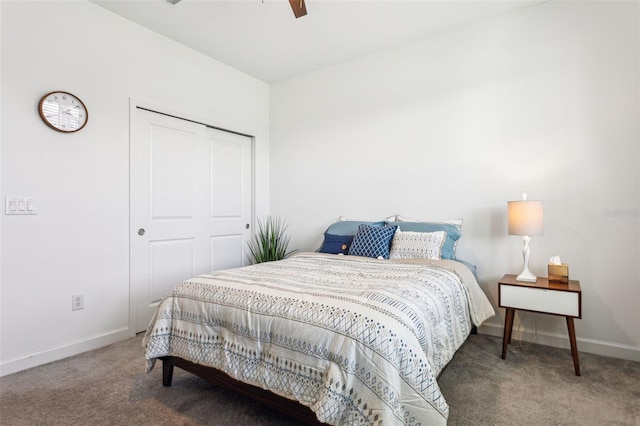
pixel 270 242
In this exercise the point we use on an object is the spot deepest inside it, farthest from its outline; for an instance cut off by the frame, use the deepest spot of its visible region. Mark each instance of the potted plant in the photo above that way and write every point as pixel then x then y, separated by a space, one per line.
pixel 270 242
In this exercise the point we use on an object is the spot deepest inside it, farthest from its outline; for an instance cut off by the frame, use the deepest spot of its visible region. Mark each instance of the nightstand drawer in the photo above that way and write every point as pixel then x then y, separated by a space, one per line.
pixel 540 300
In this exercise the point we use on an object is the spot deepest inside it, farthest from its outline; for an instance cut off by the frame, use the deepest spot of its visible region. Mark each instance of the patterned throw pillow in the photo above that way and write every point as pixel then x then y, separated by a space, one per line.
pixel 453 233
pixel 372 241
pixel 417 245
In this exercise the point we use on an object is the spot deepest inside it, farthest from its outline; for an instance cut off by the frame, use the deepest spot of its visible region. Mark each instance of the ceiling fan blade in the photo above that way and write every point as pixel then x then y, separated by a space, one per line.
pixel 299 8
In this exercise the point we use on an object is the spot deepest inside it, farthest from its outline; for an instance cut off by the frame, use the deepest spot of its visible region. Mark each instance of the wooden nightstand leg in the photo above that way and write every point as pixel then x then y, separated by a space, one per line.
pixel 574 346
pixel 508 325
pixel 511 318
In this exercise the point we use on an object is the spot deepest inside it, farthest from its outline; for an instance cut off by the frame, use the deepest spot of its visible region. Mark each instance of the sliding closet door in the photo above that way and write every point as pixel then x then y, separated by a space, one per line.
pixel 191 194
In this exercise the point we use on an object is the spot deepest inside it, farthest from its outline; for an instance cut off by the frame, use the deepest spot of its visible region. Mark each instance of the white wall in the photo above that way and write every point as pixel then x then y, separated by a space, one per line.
pixel 544 100
pixel 79 241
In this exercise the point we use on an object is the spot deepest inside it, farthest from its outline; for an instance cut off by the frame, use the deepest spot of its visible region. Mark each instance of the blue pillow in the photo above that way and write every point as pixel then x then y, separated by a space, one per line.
pixel 336 244
pixel 453 233
pixel 471 266
pixel 349 227
pixel 372 241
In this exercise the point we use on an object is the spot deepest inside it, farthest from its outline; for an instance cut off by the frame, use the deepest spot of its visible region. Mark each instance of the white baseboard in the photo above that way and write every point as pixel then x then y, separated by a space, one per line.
pixel 592 346
pixel 597 347
pixel 64 351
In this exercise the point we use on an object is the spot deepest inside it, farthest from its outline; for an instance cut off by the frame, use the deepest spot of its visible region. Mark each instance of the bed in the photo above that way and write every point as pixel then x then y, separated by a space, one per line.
pixel 325 337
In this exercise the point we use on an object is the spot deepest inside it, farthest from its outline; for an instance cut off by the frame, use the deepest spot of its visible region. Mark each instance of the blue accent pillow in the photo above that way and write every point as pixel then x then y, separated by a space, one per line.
pixel 349 227
pixel 336 244
pixel 372 241
pixel 453 233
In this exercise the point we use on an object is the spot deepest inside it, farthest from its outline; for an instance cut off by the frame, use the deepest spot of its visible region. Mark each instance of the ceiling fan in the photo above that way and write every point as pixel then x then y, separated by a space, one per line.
pixel 298 7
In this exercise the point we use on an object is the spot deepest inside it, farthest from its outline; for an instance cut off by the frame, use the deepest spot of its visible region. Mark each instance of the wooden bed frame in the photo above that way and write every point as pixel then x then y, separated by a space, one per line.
pixel 217 377
pixel 270 399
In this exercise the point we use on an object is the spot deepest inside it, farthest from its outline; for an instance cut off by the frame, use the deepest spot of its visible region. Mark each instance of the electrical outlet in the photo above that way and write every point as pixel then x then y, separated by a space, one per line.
pixel 77 301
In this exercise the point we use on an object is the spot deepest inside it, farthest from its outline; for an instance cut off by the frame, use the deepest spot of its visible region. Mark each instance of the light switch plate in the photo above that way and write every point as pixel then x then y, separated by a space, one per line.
pixel 20 205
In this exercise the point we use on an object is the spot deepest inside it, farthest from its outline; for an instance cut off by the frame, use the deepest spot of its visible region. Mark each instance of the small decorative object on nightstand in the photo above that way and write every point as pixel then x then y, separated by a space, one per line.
pixel 544 297
pixel 558 272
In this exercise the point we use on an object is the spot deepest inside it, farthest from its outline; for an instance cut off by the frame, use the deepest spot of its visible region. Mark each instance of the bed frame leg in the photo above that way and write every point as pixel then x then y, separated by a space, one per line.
pixel 167 372
pixel 474 330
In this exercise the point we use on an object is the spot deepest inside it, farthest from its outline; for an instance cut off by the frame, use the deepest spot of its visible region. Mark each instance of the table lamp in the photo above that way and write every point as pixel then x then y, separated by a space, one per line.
pixel 525 218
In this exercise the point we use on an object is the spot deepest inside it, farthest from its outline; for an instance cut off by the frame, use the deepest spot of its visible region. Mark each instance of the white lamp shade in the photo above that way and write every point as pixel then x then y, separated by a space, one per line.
pixel 525 218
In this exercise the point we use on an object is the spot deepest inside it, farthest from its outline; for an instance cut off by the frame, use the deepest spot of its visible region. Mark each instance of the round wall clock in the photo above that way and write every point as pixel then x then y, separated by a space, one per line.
pixel 63 112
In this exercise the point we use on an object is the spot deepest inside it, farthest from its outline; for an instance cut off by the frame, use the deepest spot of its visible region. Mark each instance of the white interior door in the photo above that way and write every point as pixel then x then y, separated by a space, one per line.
pixel 191 195
pixel 230 198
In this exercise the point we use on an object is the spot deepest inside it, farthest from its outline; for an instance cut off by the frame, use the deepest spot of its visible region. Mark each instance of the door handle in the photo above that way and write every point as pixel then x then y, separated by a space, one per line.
pixel 247 226
pixel 141 231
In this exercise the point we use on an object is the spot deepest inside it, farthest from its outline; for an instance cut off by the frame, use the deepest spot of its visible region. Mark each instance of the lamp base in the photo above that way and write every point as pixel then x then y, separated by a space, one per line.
pixel 527 276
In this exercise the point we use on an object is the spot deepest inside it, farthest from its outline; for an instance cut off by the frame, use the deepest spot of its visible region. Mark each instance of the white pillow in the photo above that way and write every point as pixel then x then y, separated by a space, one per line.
pixel 417 245
pixel 455 222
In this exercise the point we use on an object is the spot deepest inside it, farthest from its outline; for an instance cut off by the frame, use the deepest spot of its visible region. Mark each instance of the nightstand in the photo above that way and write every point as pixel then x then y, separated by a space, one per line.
pixel 544 297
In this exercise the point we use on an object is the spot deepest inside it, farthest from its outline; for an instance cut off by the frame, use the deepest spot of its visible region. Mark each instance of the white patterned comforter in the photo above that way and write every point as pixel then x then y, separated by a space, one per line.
pixel 358 340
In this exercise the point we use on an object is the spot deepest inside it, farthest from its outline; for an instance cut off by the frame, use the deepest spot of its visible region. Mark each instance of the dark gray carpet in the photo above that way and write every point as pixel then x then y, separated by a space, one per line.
pixel 535 385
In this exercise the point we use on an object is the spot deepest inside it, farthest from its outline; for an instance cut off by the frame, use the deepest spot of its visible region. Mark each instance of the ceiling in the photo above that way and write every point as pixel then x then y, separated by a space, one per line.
pixel 262 38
